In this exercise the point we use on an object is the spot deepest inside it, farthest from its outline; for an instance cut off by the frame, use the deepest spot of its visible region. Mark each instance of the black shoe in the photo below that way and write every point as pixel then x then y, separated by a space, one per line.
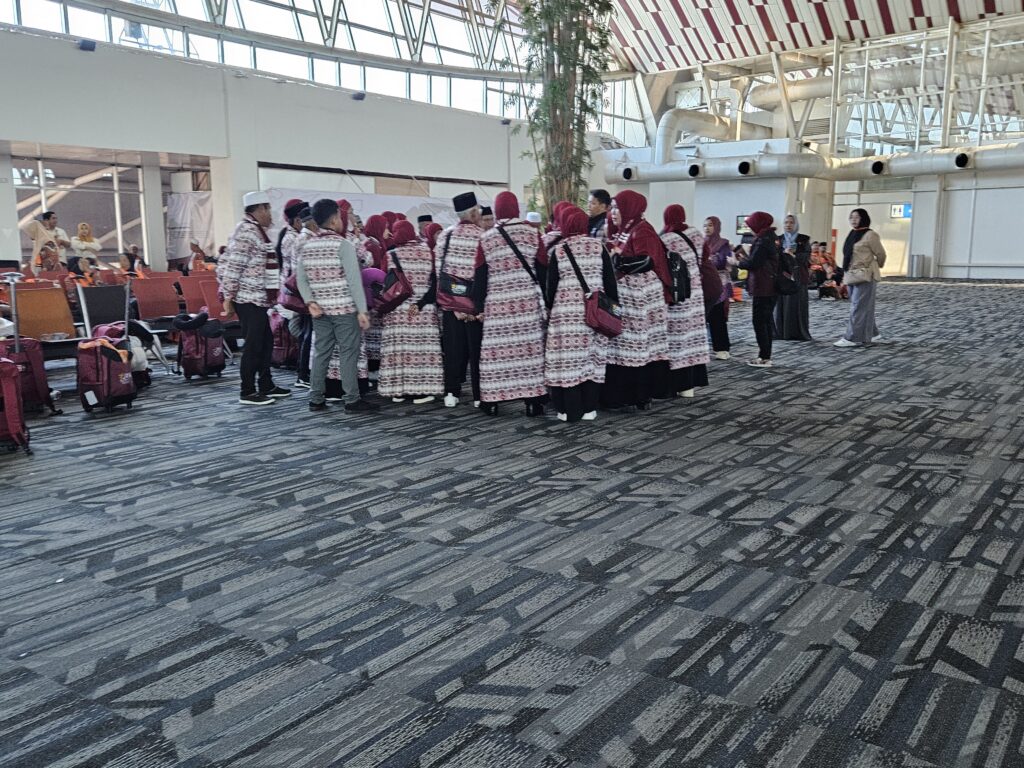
pixel 534 409
pixel 490 409
pixel 277 392
pixel 255 399
pixel 318 406
pixel 361 406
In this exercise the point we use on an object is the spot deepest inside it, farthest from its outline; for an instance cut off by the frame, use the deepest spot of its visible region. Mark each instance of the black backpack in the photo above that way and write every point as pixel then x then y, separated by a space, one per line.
pixel 680 289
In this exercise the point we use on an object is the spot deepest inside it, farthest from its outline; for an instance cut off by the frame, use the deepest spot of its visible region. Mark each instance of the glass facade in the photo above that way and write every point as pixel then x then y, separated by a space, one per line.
pixel 316 39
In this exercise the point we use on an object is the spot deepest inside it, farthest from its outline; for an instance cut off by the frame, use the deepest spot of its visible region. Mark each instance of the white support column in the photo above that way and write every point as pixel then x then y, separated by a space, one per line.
pixel 10 240
pixel 154 233
pixel 238 173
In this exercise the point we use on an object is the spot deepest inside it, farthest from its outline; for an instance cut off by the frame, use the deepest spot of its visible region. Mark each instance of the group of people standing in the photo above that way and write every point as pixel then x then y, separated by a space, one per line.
pixel 503 305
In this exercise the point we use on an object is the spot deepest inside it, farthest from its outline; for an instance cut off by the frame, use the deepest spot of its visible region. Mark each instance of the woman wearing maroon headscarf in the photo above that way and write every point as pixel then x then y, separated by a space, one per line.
pixel 687 331
pixel 638 357
pixel 574 361
pixel 512 348
pixel 411 364
pixel 716 260
pixel 430 233
pixel 348 231
pixel 762 265
pixel 375 229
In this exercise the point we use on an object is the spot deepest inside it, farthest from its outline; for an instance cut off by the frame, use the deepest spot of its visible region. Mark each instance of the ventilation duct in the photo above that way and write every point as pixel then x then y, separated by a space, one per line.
pixel 675 121
pixel 808 165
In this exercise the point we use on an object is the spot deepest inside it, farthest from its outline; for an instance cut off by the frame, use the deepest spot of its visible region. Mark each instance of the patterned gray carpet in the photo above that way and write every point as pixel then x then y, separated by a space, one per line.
pixel 816 566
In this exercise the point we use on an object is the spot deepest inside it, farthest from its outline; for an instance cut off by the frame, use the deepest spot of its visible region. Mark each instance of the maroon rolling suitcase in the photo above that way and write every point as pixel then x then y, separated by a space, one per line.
pixel 105 374
pixel 286 349
pixel 200 345
pixel 13 429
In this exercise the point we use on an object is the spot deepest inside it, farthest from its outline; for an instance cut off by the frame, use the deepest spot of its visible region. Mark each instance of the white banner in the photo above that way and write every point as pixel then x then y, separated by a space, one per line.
pixel 189 215
pixel 365 206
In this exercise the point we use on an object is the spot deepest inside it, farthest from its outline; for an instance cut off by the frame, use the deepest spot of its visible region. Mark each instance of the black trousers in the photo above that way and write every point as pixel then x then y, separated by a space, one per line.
pixel 258 349
pixel 764 324
pixel 305 346
pixel 719 327
pixel 576 401
pixel 460 342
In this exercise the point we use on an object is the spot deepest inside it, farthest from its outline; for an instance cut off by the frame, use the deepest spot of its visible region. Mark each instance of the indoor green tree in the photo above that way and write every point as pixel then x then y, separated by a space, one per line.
pixel 567 43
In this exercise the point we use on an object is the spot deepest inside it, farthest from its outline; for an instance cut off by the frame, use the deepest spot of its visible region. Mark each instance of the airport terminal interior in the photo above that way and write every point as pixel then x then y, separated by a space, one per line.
pixel 795 545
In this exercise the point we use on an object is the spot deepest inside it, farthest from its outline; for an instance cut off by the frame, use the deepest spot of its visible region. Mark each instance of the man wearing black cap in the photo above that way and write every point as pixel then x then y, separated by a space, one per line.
pixel 296 213
pixel 486 218
pixel 422 221
pixel 461 332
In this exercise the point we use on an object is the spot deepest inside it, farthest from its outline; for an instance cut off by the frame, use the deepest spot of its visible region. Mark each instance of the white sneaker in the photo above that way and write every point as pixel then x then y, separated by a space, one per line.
pixel 877 339
pixel 590 415
pixel 334 399
pixel 844 342
pixel 423 400
pixel 450 401
pixel 757 362
pixel 300 384
pixel 722 355
pixel 687 393
pixel 562 417
pixel 476 403
pixel 397 399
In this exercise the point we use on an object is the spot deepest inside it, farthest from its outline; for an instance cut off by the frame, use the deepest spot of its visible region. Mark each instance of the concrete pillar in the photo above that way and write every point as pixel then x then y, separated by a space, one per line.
pixel 154 233
pixel 10 240
pixel 238 173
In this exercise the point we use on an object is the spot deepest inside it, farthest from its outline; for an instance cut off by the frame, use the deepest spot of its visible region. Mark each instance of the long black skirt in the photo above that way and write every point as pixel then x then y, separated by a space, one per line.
pixel 624 386
pixel 792 317
pixel 576 401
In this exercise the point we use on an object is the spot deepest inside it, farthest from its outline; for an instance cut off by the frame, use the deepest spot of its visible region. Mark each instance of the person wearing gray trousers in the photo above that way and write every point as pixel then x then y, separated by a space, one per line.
pixel 861 327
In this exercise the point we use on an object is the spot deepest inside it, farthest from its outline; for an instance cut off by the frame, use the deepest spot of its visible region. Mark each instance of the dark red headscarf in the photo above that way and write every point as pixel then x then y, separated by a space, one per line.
pixel 401 217
pixel 759 222
pixel 344 208
pixel 574 221
pixel 675 219
pixel 556 214
pixel 631 207
pixel 390 217
pixel 404 233
pixel 430 232
pixel 375 227
pixel 506 206
pixel 638 236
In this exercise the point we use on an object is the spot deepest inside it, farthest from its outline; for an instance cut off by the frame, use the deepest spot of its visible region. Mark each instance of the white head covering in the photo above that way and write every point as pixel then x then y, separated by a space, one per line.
pixel 789 238
pixel 533 217
pixel 255 198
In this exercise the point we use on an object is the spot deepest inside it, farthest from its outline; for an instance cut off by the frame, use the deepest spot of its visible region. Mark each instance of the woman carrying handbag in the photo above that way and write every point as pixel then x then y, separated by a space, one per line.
pixel 863 259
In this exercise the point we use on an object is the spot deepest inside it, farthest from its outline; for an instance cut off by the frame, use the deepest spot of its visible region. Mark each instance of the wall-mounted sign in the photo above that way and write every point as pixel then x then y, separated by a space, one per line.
pixel 900 211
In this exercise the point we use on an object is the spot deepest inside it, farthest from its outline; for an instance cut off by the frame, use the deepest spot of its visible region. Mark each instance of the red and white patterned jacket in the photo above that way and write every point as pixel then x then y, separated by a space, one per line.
pixel 461 258
pixel 243 268
pixel 321 261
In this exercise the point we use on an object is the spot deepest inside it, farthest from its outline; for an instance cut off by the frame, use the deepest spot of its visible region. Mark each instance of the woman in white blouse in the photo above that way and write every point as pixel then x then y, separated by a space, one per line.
pixel 85 247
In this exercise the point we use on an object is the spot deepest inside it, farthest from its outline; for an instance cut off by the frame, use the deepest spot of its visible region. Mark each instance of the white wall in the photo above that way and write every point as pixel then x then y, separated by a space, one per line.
pixel 149 102
pixel 977 225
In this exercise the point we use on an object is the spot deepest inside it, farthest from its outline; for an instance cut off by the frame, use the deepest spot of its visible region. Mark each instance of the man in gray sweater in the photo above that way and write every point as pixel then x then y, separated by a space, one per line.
pixel 330 282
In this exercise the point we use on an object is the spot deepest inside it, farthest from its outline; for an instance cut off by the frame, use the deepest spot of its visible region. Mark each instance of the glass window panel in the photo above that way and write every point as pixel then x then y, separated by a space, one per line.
pixel 231 17
pixel 389 82
pixel 636 136
pixel 148 37
pixel 430 55
pixel 311 29
pixel 282 63
pixel 494 102
pixel 467 94
pixel 204 48
pixel 267 19
pixel 41 14
pixel 352 76
pixel 450 33
pixel 369 13
pixel 458 59
pixel 306 5
pixel 419 87
pixel 194 9
pixel 7 14
pixel 237 55
pixel 325 71
pixel 371 42
pixel 87 24
pixel 439 91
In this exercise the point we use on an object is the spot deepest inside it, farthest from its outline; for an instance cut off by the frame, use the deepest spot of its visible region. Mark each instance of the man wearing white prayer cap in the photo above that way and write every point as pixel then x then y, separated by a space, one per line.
pixel 534 219
pixel 249 277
